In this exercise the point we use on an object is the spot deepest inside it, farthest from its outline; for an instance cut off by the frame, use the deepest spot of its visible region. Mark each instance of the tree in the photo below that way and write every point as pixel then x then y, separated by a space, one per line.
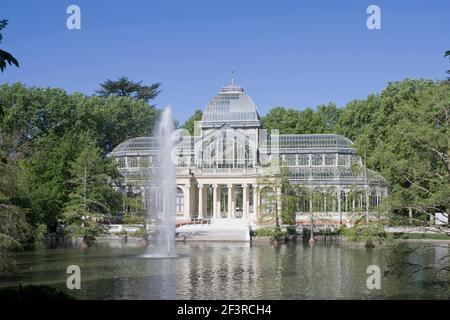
pixel 447 54
pixel 357 116
pixel 6 57
pixel 407 140
pixel 123 87
pixel 45 178
pixel 277 196
pixel 278 118
pixel 324 119
pixel 42 128
pixel 189 125
pixel 327 118
pixel 92 196
pixel 14 229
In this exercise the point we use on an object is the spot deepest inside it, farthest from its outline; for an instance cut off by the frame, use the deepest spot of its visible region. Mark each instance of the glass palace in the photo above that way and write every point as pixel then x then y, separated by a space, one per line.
pixel 219 168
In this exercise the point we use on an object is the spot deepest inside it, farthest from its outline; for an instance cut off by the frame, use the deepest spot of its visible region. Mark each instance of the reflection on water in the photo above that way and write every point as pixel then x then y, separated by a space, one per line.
pixel 114 270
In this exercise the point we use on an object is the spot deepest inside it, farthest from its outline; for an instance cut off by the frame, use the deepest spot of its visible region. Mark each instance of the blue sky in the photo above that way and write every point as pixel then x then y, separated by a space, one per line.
pixel 285 53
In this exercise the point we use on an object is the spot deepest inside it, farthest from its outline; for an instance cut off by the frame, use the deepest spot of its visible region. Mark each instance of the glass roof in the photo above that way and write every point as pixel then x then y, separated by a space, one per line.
pixel 138 144
pixel 312 141
pixel 150 144
pixel 231 104
pixel 286 142
pixel 334 175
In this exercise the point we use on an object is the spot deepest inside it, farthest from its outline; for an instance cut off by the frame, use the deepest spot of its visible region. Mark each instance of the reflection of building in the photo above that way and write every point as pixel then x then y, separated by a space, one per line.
pixel 219 168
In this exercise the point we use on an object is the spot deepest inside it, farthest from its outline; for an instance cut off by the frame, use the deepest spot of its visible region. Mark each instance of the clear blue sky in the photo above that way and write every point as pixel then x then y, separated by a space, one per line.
pixel 284 53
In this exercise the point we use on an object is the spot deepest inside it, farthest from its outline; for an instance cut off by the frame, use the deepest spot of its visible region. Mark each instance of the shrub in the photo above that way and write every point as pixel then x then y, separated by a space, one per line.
pixel 291 230
pixel 133 219
pixel 362 232
pixel 264 232
pixel 33 293
pixel 141 233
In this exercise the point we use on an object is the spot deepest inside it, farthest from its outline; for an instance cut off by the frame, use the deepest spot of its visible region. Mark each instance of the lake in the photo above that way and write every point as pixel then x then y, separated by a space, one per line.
pixel 114 270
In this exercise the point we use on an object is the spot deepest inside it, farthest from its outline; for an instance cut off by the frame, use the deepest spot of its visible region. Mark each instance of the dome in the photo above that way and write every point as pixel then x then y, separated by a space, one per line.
pixel 136 146
pixel 233 107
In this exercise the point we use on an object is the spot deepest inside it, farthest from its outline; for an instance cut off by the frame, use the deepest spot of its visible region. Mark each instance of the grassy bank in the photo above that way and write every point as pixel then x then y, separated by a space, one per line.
pixel 421 236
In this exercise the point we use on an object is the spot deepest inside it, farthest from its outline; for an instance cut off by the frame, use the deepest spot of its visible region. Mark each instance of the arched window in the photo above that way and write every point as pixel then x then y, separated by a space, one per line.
pixel 133 162
pixel 121 162
pixel 268 201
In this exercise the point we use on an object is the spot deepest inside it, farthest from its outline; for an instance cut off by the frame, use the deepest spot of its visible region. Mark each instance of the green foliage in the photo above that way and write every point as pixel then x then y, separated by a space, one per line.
pixel 277 196
pixel 291 230
pixel 306 232
pixel 92 197
pixel 290 121
pixel 6 57
pixel 45 177
pixel 447 54
pixel 362 232
pixel 87 230
pixel 274 233
pixel 14 232
pixel 356 116
pixel 408 141
pixel 133 207
pixel 423 236
pixel 42 131
pixel 404 131
pixel 141 233
pixel 264 232
pixel 123 87
pixel 189 125
pixel 133 219
pixel 14 229
pixel 33 293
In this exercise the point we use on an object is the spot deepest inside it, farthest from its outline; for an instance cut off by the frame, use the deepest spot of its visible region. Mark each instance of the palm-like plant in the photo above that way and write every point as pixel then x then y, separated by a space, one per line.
pixel 447 54
pixel 6 57
pixel 124 87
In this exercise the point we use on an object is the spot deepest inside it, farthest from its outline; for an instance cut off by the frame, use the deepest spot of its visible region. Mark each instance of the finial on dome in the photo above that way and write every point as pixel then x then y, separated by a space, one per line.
pixel 232 77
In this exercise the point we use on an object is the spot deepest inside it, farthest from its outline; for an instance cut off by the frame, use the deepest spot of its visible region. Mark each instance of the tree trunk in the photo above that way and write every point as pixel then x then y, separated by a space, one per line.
pixel 84 191
pixel 311 236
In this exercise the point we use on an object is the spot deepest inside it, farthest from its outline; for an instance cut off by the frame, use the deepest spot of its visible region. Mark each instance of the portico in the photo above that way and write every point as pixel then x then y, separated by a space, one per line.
pixel 216 198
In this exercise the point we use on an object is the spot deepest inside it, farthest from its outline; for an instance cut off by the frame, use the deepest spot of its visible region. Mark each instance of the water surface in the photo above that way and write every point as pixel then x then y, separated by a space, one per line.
pixel 114 270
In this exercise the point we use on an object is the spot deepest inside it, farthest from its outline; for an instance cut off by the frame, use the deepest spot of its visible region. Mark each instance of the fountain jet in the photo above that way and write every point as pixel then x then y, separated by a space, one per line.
pixel 162 191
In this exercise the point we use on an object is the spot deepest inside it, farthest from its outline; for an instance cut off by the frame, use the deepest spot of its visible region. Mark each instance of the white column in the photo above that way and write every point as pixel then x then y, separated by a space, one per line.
pixel 200 201
pixel 378 198
pixel 353 202
pixel 215 204
pixel 187 201
pixel 245 200
pixel 230 204
pixel 219 201
pixel 339 200
pixel 233 201
pixel 205 200
pixel 255 201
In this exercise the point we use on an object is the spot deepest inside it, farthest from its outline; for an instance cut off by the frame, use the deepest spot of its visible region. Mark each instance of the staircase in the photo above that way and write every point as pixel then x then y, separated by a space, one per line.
pixel 217 230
